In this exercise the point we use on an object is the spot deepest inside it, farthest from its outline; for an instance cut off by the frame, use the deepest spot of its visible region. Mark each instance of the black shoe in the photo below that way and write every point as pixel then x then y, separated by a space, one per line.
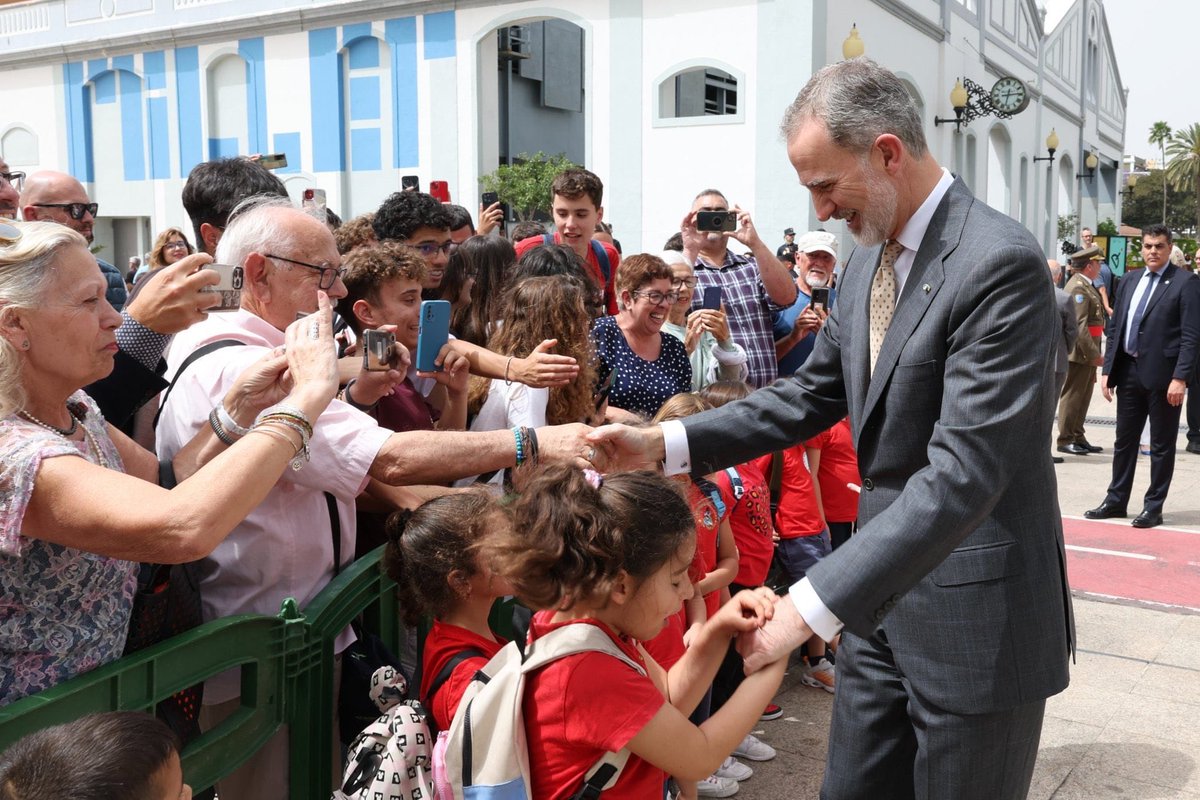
pixel 1147 519
pixel 1106 510
pixel 1073 449
pixel 1193 447
pixel 1057 459
pixel 1091 448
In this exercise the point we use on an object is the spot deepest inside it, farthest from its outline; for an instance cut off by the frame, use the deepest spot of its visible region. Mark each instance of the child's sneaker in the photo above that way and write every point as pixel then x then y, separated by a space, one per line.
pixel 754 750
pixel 714 786
pixel 771 712
pixel 820 676
pixel 732 768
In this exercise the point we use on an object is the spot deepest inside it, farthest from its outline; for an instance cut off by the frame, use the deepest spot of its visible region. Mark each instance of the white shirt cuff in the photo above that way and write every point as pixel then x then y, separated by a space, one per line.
pixel 678 457
pixel 815 613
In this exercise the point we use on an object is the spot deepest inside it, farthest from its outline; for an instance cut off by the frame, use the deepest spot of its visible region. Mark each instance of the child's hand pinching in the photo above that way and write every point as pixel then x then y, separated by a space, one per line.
pixel 748 610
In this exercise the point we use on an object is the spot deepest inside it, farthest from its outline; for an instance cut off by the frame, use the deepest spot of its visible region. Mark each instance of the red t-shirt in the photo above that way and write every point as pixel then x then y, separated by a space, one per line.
pixel 581 706
pixel 614 260
pixel 798 514
pixel 750 520
pixel 443 643
pixel 839 466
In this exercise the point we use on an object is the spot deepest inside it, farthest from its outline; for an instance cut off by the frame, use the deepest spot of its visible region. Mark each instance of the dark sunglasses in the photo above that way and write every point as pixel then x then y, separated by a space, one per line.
pixel 76 210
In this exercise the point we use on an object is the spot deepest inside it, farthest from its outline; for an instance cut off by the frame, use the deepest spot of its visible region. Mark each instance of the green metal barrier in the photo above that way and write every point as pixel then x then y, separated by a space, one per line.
pixel 287 678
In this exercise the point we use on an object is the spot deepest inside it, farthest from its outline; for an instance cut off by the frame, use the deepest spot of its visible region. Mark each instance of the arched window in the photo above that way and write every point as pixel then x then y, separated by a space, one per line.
pixel 699 93
pixel 19 147
pixel 228 111
pixel 999 170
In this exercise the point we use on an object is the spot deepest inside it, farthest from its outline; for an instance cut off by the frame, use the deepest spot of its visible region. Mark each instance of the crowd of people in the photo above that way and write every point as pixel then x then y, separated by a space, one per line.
pixel 244 440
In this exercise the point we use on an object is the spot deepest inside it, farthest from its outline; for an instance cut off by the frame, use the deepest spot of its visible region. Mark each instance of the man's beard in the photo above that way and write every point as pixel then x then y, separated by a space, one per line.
pixel 875 220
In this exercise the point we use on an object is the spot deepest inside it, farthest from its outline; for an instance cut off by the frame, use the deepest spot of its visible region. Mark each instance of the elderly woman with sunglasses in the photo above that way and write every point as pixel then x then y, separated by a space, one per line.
pixel 78 502
pixel 650 365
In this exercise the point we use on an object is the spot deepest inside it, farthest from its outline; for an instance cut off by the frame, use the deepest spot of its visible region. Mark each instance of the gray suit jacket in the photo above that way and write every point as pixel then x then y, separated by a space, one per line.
pixel 959 559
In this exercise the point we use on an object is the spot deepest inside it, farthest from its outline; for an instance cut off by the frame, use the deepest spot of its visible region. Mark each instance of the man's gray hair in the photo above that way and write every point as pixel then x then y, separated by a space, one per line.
pixel 857 100
pixel 254 227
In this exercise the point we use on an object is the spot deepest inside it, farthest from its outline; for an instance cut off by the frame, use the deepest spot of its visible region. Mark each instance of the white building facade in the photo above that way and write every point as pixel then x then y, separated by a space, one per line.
pixel 661 98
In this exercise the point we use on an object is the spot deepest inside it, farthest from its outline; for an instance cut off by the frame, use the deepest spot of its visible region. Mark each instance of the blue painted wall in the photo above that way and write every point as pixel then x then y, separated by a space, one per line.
pixel 325 85
pixel 187 100
pixel 401 36
pixel 252 51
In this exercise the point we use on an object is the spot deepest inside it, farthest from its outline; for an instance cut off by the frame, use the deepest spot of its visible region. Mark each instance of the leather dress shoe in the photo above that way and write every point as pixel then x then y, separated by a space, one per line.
pixel 1091 448
pixel 1073 449
pixel 1106 510
pixel 1147 519
pixel 1057 459
pixel 1193 447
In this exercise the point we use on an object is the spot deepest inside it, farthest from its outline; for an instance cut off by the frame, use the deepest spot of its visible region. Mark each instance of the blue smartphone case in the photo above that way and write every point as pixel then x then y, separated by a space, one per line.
pixel 433 333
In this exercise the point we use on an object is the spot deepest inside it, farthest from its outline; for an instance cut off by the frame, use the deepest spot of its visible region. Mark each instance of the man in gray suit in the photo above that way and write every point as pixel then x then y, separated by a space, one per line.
pixel 952 597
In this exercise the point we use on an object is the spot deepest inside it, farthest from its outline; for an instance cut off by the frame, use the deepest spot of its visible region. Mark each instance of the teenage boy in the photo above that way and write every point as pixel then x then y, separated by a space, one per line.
pixel 423 223
pixel 576 203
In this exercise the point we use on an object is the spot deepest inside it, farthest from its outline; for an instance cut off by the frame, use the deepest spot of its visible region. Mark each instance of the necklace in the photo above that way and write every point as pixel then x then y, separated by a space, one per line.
pixel 68 432
pixel 60 431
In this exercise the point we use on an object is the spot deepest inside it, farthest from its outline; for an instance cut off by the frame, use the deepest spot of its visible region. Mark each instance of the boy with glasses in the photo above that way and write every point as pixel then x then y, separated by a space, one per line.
pixel 422 222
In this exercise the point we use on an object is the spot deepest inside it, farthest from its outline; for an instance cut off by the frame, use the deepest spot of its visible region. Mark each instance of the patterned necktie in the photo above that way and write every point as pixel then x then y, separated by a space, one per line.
pixel 883 297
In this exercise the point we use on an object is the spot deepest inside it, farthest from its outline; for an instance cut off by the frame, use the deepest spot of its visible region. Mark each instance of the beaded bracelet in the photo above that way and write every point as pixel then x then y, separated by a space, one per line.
pixel 520 446
pixel 214 422
pixel 228 422
pixel 291 412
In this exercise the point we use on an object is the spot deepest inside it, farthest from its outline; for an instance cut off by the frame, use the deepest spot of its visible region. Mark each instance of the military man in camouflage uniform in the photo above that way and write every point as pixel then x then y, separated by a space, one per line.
pixel 1085 356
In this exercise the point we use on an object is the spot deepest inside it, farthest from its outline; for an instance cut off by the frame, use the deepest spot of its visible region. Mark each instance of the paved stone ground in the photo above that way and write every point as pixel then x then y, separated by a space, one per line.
pixel 1129 724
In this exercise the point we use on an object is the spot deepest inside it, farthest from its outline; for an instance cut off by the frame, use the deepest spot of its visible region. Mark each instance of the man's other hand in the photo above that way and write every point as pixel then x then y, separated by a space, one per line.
pixel 174 298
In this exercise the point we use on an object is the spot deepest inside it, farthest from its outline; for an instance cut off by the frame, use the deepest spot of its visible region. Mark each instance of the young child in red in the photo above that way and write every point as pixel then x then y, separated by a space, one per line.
pixel 831 456
pixel 433 555
pixel 614 552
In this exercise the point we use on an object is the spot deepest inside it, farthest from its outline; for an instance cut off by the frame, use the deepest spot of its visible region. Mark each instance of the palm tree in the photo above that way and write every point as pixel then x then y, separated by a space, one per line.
pixel 1183 170
pixel 1160 134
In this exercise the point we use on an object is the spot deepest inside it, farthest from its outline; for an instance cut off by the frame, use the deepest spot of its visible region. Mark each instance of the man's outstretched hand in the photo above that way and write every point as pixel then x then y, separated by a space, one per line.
pixel 782 634
pixel 626 447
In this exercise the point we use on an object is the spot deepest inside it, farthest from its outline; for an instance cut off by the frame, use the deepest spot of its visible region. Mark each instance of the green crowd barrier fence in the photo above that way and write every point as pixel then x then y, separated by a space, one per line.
pixel 287 670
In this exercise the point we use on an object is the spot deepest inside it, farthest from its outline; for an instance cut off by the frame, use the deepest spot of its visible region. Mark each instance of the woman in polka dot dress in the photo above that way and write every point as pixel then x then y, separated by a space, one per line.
pixel 651 366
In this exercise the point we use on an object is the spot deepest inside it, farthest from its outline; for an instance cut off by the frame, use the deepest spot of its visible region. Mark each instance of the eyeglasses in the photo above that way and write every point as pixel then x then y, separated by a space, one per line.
pixel 658 298
pixel 76 210
pixel 427 249
pixel 178 245
pixel 14 179
pixel 679 283
pixel 329 275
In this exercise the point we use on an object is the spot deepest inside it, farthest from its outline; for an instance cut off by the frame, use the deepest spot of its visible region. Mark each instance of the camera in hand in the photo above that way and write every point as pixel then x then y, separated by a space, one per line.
pixel 229 286
pixel 716 221
pixel 378 350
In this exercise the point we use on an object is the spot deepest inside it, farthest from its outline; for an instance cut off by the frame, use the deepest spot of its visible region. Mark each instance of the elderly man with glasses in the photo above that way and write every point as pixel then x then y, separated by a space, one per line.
pixel 58 197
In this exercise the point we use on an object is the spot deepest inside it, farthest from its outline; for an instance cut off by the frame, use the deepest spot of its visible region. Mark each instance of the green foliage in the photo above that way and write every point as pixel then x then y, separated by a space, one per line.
pixel 525 184
pixel 1106 228
pixel 1066 226
pixel 1144 206
pixel 1183 168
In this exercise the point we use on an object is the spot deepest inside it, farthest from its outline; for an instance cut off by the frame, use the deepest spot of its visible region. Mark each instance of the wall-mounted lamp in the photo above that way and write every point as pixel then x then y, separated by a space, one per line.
pixel 853 46
pixel 1091 162
pixel 1051 146
pixel 1130 182
pixel 960 102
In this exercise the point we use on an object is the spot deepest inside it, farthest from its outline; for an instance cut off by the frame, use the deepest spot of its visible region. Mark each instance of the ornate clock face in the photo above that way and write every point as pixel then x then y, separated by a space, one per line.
pixel 1009 95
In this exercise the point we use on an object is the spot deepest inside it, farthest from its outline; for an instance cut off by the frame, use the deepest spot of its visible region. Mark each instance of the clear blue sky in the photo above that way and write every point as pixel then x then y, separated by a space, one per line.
pixel 1157 63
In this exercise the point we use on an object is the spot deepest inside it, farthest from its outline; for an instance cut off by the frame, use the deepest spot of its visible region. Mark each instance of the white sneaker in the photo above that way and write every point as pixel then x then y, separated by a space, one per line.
pixel 754 750
pixel 714 786
pixel 820 676
pixel 732 768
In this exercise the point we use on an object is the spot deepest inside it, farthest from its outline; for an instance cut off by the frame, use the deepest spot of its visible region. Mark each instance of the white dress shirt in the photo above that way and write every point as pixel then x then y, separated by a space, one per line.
pixel 678 457
pixel 284 547
pixel 1142 287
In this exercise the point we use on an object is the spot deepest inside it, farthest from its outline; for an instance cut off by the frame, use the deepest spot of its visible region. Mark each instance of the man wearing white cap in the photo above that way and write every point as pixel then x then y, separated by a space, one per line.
pixel 796 327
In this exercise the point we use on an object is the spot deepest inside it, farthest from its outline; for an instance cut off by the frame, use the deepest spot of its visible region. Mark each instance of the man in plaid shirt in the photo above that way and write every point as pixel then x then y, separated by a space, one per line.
pixel 755 285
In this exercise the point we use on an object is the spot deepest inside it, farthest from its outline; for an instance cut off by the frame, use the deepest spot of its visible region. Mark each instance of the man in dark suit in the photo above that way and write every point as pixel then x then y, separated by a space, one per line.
pixel 952 597
pixel 1153 342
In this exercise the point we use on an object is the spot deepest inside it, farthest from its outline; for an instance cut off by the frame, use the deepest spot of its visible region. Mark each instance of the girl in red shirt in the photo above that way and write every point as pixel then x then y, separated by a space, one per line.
pixel 614 553
pixel 433 555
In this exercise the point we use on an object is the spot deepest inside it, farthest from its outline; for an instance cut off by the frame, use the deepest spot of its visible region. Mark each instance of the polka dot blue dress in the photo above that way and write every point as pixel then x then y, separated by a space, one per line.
pixel 641 386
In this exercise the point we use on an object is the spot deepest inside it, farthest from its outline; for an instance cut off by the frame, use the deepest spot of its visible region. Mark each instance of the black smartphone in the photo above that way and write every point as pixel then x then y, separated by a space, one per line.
pixel 820 298
pixel 716 221
pixel 487 199
pixel 712 298
pixel 605 388
pixel 410 183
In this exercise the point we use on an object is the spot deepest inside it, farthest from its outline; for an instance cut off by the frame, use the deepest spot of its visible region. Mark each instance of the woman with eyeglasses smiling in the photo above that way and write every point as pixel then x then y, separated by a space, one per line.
pixel 171 245
pixel 650 365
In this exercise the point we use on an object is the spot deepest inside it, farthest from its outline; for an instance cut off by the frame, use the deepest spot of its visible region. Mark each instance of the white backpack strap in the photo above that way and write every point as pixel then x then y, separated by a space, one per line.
pixel 569 640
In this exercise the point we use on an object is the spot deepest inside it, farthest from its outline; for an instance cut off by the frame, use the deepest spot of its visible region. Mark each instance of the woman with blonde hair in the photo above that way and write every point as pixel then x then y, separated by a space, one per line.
pixel 171 245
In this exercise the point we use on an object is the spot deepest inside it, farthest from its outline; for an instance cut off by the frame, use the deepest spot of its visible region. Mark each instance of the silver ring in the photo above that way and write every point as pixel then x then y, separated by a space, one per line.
pixel 591 454
pixel 314 330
